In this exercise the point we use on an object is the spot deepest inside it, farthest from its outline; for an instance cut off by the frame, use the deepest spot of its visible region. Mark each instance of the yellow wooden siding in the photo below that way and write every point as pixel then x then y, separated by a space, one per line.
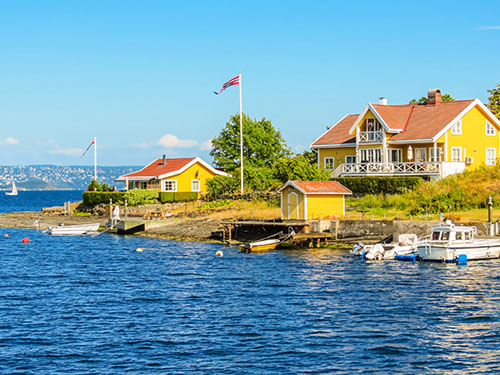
pixel 362 124
pixel 473 138
pixel 323 206
pixel 285 203
pixel 338 153
pixel 184 180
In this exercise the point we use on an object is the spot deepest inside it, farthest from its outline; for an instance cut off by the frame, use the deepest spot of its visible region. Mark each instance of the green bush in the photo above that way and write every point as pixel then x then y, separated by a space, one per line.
pixel 377 185
pixel 141 196
pixel 93 198
pixel 169 197
pixel 221 185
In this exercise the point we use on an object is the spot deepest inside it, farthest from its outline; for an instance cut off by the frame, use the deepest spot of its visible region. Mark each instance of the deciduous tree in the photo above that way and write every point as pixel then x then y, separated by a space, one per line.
pixel 494 101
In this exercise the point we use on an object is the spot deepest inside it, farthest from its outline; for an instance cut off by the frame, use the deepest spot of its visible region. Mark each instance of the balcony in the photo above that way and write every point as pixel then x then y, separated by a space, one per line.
pixel 428 169
pixel 371 136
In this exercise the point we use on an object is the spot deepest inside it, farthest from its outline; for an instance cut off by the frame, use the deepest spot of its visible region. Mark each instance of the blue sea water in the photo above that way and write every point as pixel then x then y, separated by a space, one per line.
pixel 95 305
pixel 30 200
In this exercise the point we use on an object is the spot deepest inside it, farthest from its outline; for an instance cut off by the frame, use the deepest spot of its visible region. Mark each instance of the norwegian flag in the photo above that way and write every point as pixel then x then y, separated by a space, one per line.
pixel 232 82
pixel 90 145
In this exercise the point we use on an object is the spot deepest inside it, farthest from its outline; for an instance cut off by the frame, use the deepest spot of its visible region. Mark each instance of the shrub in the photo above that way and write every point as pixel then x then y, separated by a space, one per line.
pixel 169 196
pixel 93 198
pixel 377 185
pixel 221 185
pixel 141 196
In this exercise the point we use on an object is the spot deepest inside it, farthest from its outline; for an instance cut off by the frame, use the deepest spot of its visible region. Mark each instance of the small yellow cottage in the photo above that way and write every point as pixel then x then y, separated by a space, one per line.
pixel 306 200
pixel 172 175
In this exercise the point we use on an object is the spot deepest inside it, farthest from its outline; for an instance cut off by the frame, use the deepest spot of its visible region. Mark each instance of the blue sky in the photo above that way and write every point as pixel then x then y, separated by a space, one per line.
pixel 140 75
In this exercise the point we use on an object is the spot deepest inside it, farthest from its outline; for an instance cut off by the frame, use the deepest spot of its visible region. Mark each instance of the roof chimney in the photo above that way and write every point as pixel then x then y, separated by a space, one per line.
pixel 164 159
pixel 383 100
pixel 434 96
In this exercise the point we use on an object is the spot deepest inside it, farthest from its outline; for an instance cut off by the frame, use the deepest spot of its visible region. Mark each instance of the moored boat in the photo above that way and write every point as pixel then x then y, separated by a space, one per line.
pixel 264 245
pixel 13 191
pixel 405 248
pixel 62 229
pixel 450 243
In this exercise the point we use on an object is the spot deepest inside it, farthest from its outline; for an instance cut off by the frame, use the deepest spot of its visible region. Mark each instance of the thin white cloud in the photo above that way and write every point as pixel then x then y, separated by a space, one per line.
pixel 66 151
pixel 11 141
pixel 483 28
pixel 206 146
pixel 142 145
pixel 171 141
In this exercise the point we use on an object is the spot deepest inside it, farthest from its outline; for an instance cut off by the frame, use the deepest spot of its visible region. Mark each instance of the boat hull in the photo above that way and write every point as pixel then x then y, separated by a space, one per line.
pixel 253 247
pixel 72 230
pixel 478 250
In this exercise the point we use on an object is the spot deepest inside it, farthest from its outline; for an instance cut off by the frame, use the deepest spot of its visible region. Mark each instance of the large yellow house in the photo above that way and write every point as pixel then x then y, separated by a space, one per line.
pixel 432 140
pixel 172 175
pixel 305 200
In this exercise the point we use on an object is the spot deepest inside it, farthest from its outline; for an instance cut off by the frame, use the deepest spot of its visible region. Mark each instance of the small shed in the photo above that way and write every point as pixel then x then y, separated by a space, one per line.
pixel 306 200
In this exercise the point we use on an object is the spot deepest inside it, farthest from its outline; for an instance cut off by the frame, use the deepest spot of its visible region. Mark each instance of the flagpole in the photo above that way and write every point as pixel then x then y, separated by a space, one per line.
pixel 95 159
pixel 241 137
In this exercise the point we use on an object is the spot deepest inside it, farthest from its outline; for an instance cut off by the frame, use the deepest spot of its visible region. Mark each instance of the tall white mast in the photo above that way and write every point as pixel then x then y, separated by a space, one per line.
pixel 241 137
pixel 95 159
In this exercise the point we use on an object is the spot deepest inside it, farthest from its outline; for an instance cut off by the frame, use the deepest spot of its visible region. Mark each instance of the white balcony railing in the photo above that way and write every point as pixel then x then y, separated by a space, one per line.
pixel 407 168
pixel 371 136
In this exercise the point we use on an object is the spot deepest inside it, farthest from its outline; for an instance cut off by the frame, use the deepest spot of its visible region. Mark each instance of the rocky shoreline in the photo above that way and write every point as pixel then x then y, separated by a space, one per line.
pixel 199 230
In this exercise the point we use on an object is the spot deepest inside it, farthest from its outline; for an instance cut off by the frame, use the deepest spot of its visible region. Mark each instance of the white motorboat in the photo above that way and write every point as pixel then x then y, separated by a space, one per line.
pixel 404 249
pixel 62 229
pixel 13 191
pixel 450 243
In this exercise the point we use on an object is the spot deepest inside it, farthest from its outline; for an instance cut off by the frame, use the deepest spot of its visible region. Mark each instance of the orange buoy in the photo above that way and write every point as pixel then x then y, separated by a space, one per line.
pixel 25 240
pixel 6 235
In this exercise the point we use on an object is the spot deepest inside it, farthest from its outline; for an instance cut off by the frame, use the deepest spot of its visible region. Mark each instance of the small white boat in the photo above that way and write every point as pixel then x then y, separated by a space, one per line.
pixel 62 229
pixel 404 249
pixel 456 244
pixel 13 191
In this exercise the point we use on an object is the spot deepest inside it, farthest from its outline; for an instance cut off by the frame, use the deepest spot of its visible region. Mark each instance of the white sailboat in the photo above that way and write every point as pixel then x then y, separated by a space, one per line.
pixel 14 189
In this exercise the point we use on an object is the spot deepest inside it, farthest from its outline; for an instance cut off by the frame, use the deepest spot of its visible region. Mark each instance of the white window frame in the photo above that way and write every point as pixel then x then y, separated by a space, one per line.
pixel 174 182
pixel 490 129
pixel 417 154
pixel 371 155
pixel 491 159
pixel 457 128
pixel 325 163
pixel 350 159
pixel 400 155
pixel 143 185
pixel 453 158
pixel 431 154
pixel 193 182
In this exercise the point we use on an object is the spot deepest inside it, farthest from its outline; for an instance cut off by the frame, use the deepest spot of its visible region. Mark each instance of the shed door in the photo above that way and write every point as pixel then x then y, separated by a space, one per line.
pixel 293 206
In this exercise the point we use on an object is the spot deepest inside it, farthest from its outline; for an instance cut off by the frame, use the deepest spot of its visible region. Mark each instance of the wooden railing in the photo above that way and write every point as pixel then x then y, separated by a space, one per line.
pixel 371 136
pixel 421 168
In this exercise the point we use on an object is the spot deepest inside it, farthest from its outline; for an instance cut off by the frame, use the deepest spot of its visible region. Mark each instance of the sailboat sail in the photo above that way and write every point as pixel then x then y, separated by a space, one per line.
pixel 14 189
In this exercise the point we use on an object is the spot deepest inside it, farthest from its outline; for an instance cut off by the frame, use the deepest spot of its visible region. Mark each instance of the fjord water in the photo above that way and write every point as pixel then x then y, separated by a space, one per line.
pixel 95 305
pixel 31 200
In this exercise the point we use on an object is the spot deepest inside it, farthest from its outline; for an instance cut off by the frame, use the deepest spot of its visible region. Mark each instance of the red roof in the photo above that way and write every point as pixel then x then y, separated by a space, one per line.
pixel 339 133
pixel 320 187
pixel 156 168
pixel 416 121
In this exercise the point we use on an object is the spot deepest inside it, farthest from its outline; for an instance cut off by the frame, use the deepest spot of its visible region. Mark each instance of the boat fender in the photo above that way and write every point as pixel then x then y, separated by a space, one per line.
pixel 25 240
pixel 462 258
pixel 139 249
pixel 219 253
pixel 362 256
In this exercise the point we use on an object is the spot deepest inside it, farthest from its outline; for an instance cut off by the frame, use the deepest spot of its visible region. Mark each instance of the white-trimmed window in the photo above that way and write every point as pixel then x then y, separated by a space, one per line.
pixel 195 185
pixel 420 155
pixel 491 157
pixel 456 154
pixel 142 185
pixel 171 185
pixel 350 159
pixel 395 155
pixel 457 128
pixel 490 129
pixel 437 157
pixel 371 155
pixel 329 163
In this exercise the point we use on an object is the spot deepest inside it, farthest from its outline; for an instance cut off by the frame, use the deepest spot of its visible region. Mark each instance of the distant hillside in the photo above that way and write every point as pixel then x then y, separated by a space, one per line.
pixel 46 177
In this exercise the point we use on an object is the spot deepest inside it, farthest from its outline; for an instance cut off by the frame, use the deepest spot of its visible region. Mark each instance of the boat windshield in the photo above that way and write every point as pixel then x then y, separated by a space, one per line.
pixel 440 236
